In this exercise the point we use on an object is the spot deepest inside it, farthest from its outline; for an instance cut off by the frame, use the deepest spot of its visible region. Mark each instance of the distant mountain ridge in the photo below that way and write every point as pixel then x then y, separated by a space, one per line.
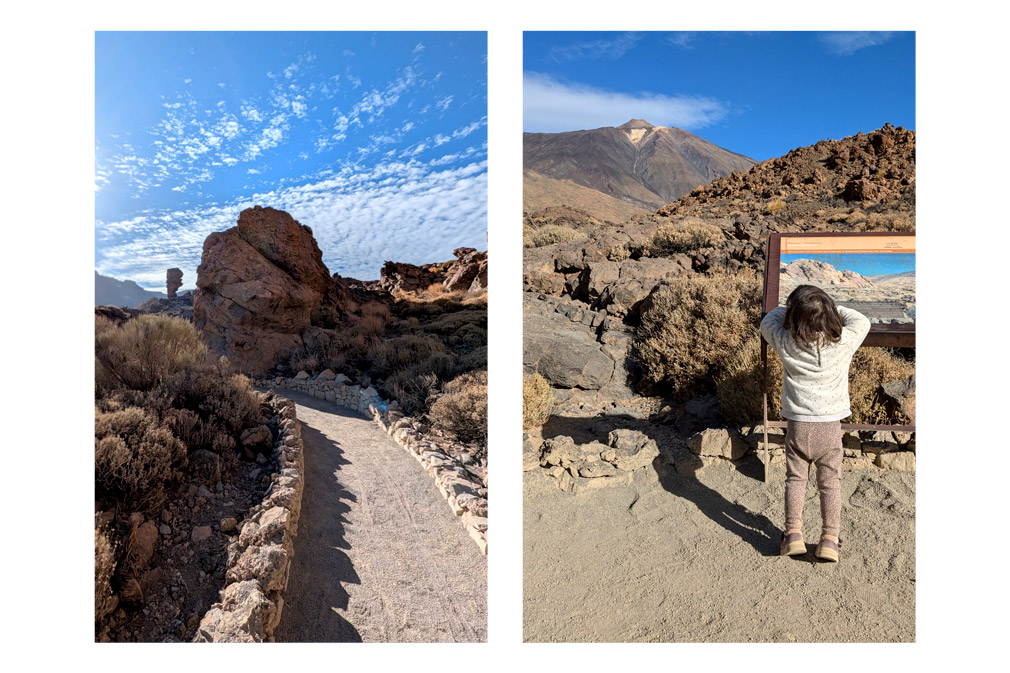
pixel 637 162
pixel 124 293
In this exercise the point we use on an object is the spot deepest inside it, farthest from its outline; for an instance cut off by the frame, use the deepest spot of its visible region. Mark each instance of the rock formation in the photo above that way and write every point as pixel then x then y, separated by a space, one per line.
pixel 404 277
pixel 468 272
pixel 260 284
pixel 174 281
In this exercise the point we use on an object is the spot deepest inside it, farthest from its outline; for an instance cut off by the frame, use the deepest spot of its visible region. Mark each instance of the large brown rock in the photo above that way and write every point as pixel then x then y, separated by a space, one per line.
pixel 173 281
pixel 465 269
pixel 259 286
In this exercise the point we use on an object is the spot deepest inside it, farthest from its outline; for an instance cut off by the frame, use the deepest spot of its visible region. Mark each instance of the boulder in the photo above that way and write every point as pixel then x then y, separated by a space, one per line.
pixel 899 396
pixel 898 460
pixel 718 442
pixel 240 618
pixel 630 450
pixel 464 270
pixel 260 284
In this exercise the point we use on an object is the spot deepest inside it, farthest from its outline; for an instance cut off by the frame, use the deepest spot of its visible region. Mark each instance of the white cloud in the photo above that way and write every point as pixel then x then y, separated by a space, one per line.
pixel 849 42
pixel 550 106
pixel 418 48
pixel 402 210
pixel 607 48
pixel 443 103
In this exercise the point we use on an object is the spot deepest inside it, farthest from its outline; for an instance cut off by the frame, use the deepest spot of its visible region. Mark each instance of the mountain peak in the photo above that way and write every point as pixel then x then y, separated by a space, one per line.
pixel 635 124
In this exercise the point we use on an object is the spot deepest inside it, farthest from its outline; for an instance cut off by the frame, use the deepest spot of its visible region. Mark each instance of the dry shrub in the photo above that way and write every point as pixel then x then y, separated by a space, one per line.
pixel 775 206
pixel 105 566
pixel 683 236
pixel 135 456
pixel 224 400
pixel 739 385
pixel 887 222
pixel 618 253
pixel 694 325
pixel 870 368
pixel 412 391
pixel 144 352
pixel 402 353
pixel 550 234
pixel 302 361
pixel 855 217
pixel 538 401
pixel 462 408
pixel 376 309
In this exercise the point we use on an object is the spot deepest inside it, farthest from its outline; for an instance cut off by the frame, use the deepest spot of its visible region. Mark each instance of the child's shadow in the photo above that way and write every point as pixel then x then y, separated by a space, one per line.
pixel 755 529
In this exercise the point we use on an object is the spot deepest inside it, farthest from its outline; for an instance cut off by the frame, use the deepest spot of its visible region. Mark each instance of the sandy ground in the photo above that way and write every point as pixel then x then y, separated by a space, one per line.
pixel 676 558
pixel 379 556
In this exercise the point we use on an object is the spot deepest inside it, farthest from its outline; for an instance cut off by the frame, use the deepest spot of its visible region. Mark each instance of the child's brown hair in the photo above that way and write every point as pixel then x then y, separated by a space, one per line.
pixel 812 318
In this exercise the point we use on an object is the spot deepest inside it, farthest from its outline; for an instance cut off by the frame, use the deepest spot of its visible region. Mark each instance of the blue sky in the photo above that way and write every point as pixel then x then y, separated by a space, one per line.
pixel 377 141
pixel 757 93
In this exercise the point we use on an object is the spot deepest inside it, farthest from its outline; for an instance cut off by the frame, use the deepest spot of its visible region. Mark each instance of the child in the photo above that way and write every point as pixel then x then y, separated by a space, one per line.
pixel 815 341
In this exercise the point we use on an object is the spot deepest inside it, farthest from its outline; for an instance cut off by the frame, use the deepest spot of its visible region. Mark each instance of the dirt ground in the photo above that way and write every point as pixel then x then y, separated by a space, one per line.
pixel 696 559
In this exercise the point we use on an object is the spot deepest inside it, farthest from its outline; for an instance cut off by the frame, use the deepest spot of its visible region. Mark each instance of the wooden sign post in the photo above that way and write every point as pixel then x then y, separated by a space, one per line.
pixel 844 257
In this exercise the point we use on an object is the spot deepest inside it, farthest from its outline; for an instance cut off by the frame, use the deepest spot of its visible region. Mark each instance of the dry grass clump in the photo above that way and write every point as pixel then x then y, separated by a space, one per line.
pixel 412 390
pixel 775 206
pixel 739 385
pixel 692 327
pixel 887 222
pixel 618 253
pixel 144 352
pixel 135 456
pixel 550 234
pixel 871 368
pixel 390 355
pixel 683 236
pixel 462 408
pixel 105 566
pixel 538 401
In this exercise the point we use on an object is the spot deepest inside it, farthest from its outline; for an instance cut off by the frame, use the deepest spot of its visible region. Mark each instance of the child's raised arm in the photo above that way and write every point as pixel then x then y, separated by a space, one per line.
pixel 772 328
pixel 856 327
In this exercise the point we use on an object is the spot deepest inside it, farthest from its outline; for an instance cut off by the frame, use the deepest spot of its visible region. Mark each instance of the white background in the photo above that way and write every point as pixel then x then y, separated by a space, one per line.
pixel 48 136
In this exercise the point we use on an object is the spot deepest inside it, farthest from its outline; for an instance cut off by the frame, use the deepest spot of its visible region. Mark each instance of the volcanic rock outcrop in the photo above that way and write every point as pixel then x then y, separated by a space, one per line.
pixel 174 281
pixel 468 272
pixel 260 284
pixel 814 272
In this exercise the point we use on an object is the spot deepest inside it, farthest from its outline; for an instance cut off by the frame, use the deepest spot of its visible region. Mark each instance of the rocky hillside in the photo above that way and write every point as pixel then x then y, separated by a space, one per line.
pixel 636 162
pixel 610 275
pixel 813 272
pixel 124 293
pixel 541 192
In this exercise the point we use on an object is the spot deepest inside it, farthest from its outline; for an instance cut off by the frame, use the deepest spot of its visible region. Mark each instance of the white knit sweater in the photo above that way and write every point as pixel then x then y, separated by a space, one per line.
pixel 815 387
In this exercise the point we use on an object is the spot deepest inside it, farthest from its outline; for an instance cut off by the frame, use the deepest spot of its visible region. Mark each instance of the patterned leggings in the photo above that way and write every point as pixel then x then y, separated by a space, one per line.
pixel 820 444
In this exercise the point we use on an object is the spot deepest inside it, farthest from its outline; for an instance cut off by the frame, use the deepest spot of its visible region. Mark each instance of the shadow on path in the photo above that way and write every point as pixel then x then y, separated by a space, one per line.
pixel 756 530
pixel 320 567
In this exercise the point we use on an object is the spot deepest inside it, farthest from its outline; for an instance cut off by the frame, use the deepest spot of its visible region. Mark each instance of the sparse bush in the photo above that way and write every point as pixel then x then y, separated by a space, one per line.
pixel 618 253
pixel 739 385
pixel 462 408
pixel 683 236
pixel 887 222
pixel 226 401
pixel 775 206
pixel 693 326
pixel 551 234
pixel 402 353
pixel 870 368
pixel 411 391
pixel 538 401
pixel 144 352
pixel 105 566
pixel 135 456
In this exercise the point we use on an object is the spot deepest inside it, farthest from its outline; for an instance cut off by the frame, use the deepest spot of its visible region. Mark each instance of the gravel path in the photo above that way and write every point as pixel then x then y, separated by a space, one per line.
pixel 684 559
pixel 379 556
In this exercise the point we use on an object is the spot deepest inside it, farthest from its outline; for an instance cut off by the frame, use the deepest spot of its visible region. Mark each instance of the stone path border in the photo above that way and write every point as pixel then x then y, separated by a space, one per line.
pixel 466 497
pixel 260 559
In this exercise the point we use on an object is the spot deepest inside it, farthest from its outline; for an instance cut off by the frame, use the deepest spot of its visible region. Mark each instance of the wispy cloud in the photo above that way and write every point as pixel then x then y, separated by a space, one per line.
pixel 849 42
pixel 551 106
pixel 605 48
pixel 682 39
pixel 409 211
